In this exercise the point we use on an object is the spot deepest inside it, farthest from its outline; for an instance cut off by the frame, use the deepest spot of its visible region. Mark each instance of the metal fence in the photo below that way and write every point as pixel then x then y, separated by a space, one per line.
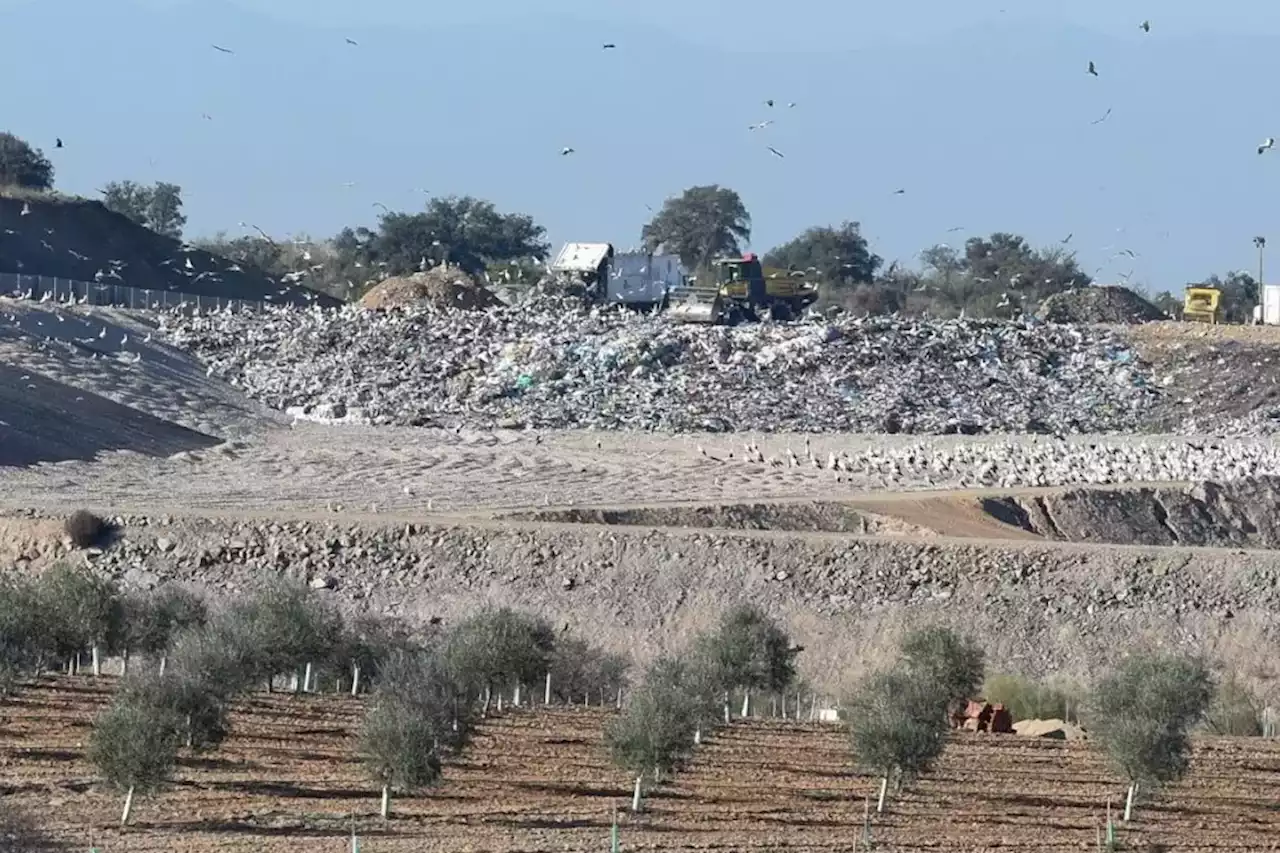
pixel 37 287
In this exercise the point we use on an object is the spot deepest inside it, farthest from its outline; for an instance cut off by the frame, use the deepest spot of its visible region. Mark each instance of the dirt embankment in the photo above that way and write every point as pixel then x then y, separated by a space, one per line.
pixel 1038 608
pixel 80 239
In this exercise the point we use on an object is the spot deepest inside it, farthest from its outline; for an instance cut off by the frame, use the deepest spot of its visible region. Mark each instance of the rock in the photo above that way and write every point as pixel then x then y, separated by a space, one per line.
pixel 324 582
pixel 165 545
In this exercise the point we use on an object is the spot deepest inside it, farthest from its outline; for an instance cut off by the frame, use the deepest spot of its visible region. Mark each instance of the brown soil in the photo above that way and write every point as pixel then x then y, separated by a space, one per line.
pixel 542 781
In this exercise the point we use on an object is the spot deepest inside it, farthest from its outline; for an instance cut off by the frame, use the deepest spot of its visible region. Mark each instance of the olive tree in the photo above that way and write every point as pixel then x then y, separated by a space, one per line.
pixel 134 747
pixel 82 609
pixel 1142 713
pixel 26 641
pixel 579 671
pixel 897 723
pixel 499 648
pixel 749 651
pixel 954 663
pixel 290 629
pixel 413 718
pixel 655 730
pixel 152 620
pixel 198 709
pixel 367 643
pixel 693 677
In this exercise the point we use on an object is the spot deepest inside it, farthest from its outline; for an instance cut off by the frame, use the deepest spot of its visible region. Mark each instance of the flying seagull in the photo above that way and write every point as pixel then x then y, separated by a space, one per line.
pixel 1267 144
pixel 1145 26
pixel 353 42
pixel 769 102
pixel 760 125
pixel 899 192
pixel 1104 117
pixel 57 142
pixel 565 152
pixel 222 49
pixel 608 46
pixel 1092 69
pixel 774 151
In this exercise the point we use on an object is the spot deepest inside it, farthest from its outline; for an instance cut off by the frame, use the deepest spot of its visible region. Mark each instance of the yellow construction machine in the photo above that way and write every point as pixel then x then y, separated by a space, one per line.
pixel 739 291
pixel 1202 304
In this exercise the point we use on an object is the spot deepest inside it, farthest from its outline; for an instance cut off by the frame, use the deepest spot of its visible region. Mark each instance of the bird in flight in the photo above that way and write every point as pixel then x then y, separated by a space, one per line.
pixel 353 42
pixel 222 49
pixel 1145 26
pixel 57 143
pixel 1092 69
pixel 774 151
pixel 760 125
pixel 565 152
pixel 1267 144
pixel 608 46
pixel 899 192
pixel 1104 117
pixel 769 102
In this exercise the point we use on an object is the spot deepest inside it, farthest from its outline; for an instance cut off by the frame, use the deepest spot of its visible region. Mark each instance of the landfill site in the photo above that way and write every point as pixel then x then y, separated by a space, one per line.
pixel 1064 491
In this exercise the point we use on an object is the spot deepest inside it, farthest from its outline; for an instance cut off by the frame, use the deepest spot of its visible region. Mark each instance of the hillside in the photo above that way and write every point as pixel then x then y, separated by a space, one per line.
pixel 80 239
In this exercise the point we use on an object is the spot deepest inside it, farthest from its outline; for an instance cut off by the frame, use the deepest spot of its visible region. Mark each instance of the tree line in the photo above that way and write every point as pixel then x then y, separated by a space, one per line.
pixel 1000 275
pixel 184 663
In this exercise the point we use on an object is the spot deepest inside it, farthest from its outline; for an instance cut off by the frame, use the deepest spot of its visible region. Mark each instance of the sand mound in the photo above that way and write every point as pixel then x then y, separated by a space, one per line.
pixel 440 288
pixel 1053 729
pixel 1100 304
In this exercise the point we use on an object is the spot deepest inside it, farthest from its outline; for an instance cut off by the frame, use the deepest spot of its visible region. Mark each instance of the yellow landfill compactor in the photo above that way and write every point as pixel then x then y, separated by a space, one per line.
pixel 740 291
pixel 1202 304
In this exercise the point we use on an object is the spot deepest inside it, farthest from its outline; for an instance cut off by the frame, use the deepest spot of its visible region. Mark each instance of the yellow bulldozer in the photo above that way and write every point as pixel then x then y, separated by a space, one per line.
pixel 740 290
pixel 1202 304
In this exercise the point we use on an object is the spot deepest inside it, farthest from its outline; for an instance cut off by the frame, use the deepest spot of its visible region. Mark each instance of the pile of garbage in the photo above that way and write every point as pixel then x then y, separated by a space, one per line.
pixel 554 362
pixel 439 287
pixel 1098 304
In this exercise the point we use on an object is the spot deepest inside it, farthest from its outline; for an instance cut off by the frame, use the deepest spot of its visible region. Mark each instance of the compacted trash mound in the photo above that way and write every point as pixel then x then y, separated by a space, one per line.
pixel 554 362
pixel 1099 304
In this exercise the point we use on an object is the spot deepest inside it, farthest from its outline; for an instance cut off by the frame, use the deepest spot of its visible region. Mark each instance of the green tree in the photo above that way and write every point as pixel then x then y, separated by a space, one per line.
pixel 134 747
pixel 839 254
pixel 1142 712
pixel 158 207
pixel 153 619
pixel 27 639
pixel 289 628
pixel 23 166
pixel 699 225
pixel 897 723
pixel 463 231
pixel 82 611
pixel 580 671
pixel 954 664
pixel 656 729
pixel 500 648
pixel 197 709
pixel 749 651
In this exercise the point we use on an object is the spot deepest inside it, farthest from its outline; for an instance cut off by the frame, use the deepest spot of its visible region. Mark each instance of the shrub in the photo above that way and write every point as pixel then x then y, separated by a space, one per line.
pixel 1235 710
pixel 499 648
pixel 1141 712
pixel 26 644
pixel 134 747
pixel 84 529
pixel 897 723
pixel 748 651
pixel 1026 698
pixel 953 663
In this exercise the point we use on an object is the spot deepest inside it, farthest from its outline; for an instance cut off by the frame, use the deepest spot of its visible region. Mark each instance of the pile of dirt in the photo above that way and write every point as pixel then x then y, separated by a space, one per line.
pixel 438 288
pixel 65 237
pixel 1098 304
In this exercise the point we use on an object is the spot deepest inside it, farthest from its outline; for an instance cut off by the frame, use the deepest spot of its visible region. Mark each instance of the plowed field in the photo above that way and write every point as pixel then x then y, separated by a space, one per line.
pixel 289 780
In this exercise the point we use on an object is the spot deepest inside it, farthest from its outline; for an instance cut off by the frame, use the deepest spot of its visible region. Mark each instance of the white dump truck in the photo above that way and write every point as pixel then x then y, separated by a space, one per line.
pixel 635 279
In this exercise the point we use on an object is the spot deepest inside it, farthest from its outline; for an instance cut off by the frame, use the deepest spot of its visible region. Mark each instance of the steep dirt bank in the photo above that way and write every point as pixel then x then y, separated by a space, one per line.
pixel 1038 608
pixel 1236 514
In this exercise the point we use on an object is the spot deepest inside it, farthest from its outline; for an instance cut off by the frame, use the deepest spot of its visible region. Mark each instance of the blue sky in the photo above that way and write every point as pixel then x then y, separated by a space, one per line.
pixel 986 117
